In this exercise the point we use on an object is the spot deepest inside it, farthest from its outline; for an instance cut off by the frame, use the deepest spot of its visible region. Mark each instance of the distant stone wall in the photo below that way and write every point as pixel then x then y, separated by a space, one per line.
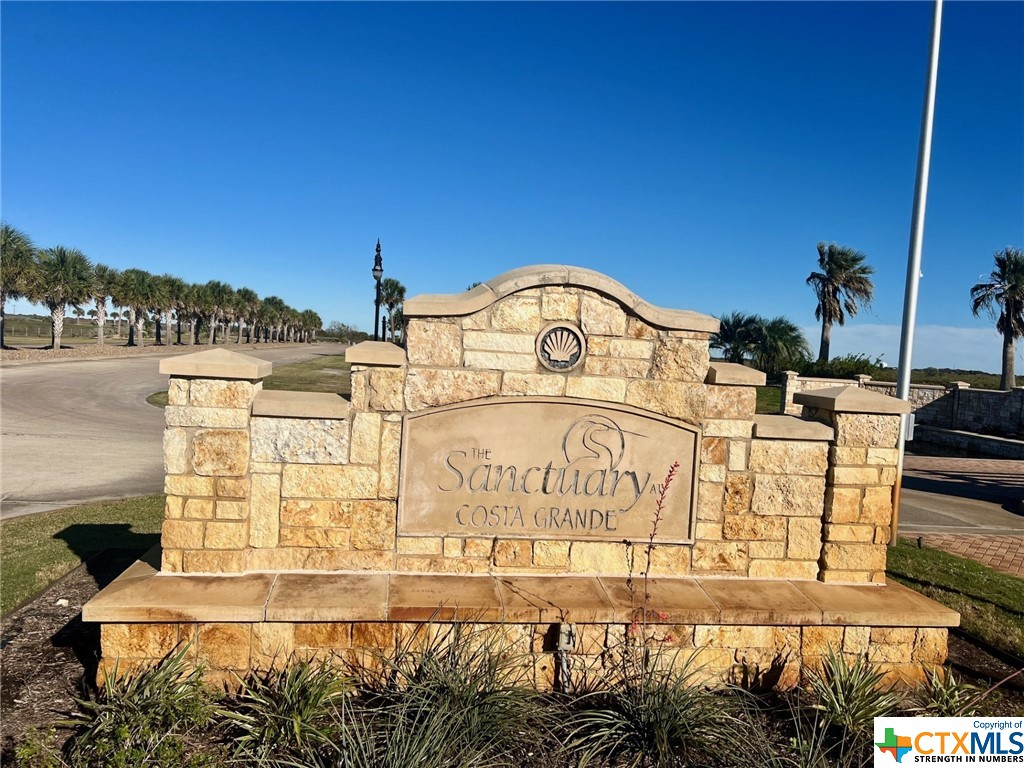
pixel 957 407
pixel 987 411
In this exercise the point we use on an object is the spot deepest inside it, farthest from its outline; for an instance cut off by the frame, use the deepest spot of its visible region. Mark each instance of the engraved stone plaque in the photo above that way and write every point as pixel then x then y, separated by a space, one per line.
pixel 547 468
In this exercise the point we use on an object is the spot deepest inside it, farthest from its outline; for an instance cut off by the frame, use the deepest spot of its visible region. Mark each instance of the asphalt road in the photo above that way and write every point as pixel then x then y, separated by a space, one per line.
pixel 81 430
pixel 924 512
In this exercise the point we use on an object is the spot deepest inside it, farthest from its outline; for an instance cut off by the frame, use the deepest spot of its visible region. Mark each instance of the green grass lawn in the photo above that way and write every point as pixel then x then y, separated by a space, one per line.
pixel 990 603
pixel 327 373
pixel 36 550
pixel 769 399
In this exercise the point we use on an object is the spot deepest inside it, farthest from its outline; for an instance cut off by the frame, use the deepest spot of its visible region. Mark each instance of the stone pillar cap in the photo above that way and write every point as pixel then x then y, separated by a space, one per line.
pixel 216 364
pixel 851 400
pixel 375 353
pixel 539 275
pixel 734 373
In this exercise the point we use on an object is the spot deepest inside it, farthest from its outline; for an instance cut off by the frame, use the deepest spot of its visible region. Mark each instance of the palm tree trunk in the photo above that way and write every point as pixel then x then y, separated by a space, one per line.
pixel 140 320
pixel 1007 380
pixel 131 327
pixel 57 315
pixel 826 340
pixel 192 331
pixel 213 330
pixel 239 331
pixel 167 326
pixel 117 311
pixel 158 338
pixel 101 321
pixel 179 326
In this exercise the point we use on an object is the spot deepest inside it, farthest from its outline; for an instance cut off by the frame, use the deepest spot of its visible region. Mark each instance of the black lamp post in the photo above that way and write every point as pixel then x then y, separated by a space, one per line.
pixel 378 273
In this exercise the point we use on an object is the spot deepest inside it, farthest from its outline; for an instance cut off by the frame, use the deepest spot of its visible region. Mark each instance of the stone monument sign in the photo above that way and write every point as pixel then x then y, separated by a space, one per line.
pixel 542 440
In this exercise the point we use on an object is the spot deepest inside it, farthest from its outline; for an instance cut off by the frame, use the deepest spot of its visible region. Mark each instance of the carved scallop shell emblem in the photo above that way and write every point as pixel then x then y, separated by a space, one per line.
pixel 560 347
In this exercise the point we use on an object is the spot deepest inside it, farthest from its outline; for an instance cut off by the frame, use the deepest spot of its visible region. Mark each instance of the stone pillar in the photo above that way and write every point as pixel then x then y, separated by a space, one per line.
pixel 861 473
pixel 727 535
pixel 788 390
pixel 955 388
pixel 206 459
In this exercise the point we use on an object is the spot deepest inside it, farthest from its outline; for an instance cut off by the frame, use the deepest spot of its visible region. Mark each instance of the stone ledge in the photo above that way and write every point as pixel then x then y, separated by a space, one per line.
pixel 141 594
pixel 781 427
pixel 375 353
pixel 734 373
pixel 300 405
pixel 540 275
pixel 216 364
pixel 851 400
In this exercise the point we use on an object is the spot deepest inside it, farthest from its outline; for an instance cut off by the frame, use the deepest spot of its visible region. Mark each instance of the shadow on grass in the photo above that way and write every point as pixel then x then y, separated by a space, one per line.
pixel 106 550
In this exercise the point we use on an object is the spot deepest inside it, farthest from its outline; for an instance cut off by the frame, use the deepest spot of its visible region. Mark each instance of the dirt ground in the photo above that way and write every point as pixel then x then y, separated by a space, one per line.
pixel 50 655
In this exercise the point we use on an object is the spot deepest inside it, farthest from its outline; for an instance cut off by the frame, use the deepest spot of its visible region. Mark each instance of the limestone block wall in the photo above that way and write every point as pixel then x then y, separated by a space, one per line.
pixel 988 411
pixel 758 654
pixel 491 353
pixel 258 481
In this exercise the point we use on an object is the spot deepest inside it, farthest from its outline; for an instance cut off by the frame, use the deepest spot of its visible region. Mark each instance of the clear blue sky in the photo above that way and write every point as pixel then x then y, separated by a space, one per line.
pixel 696 152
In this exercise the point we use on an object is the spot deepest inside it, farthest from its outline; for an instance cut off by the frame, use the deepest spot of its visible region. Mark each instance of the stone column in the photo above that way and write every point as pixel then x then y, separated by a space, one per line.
pixel 788 391
pixel 727 534
pixel 861 473
pixel 954 412
pixel 206 459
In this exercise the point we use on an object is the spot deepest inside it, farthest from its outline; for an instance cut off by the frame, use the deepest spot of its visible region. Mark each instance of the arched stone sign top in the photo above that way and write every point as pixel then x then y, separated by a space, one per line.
pixel 539 275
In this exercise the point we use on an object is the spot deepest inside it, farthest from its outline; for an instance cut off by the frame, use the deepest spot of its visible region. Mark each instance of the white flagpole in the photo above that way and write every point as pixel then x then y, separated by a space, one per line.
pixel 924 156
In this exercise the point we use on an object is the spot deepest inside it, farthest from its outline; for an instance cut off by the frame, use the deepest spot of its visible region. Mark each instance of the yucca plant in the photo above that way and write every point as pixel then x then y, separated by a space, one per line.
pixel 851 695
pixel 474 679
pixel 288 715
pixel 404 733
pixel 143 718
pixel 652 712
pixel 942 694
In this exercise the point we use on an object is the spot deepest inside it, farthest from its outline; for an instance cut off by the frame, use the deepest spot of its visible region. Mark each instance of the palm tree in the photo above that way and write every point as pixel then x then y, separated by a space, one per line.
pixel 247 305
pixel 736 334
pixel 64 277
pixel 844 280
pixel 160 306
pixel 104 278
pixel 191 307
pixel 291 323
pixel 270 310
pixel 392 296
pixel 17 262
pixel 218 297
pixel 779 344
pixel 172 294
pixel 310 323
pixel 1004 289
pixel 135 290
